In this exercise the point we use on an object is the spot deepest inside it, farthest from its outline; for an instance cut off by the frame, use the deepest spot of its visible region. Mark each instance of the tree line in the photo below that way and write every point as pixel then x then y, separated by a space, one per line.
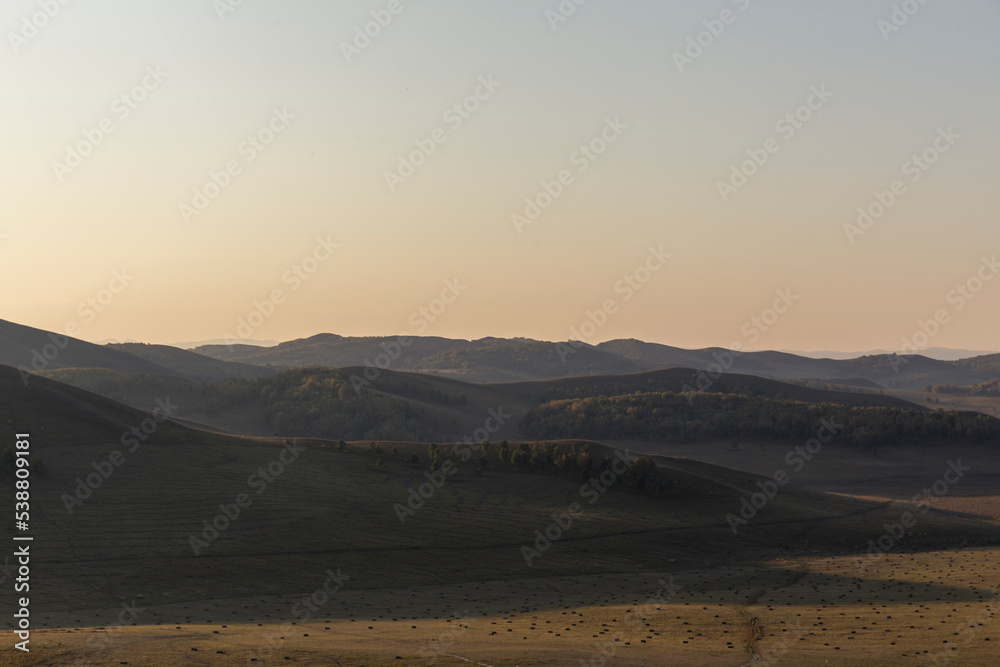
pixel 672 417
pixel 320 403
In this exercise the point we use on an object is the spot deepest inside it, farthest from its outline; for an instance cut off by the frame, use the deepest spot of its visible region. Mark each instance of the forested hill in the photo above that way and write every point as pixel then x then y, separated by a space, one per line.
pixel 671 417
pixel 682 380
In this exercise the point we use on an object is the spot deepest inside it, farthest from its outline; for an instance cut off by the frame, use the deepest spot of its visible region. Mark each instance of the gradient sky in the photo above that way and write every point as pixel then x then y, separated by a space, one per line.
pixel 324 176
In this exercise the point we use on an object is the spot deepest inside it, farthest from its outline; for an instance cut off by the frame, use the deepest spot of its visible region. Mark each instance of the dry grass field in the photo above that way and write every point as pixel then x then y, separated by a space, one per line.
pixel 906 609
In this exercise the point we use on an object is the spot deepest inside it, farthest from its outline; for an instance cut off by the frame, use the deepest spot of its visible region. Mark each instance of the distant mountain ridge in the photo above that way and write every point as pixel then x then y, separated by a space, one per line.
pixel 939 353
pixel 510 360
pixel 486 360
pixel 888 370
pixel 483 360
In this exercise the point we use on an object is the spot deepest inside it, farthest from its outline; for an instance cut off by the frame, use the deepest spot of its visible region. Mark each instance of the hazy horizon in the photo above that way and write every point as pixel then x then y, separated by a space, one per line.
pixel 943 353
pixel 531 90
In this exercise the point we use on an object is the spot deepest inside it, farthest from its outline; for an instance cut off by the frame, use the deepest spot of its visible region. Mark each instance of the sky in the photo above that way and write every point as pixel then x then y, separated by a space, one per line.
pixel 686 173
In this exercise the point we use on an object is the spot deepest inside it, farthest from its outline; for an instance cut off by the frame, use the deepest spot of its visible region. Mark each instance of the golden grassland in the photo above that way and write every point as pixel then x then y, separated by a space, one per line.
pixel 904 609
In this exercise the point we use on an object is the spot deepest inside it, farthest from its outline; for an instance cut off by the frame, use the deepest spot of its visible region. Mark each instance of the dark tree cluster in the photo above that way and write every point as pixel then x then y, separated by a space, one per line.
pixel 321 404
pixel 987 389
pixel 393 385
pixel 685 418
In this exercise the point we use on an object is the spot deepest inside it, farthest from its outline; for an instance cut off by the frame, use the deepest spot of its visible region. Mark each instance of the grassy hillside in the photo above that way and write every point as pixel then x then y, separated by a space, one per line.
pixel 58 414
pixel 35 349
pixel 191 365
pixel 135 389
pixel 320 402
pixel 314 402
pixel 326 507
pixel 215 539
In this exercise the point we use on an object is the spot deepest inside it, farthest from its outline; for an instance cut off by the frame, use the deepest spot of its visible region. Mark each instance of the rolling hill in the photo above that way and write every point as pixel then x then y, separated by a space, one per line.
pixel 212 540
pixel 682 380
pixel 191 365
pixel 988 364
pixel 58 414
pixel 485 360
pixel 508 360
pixel 488 360
pixel 890 371
pixel 32 350
pixel 328 505
pixel 340 404
pixel 35 351
pixel 329 350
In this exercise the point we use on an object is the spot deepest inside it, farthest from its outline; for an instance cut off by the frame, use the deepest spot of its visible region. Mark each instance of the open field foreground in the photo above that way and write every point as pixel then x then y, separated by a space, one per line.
pixel 204 549
pixel 932 608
